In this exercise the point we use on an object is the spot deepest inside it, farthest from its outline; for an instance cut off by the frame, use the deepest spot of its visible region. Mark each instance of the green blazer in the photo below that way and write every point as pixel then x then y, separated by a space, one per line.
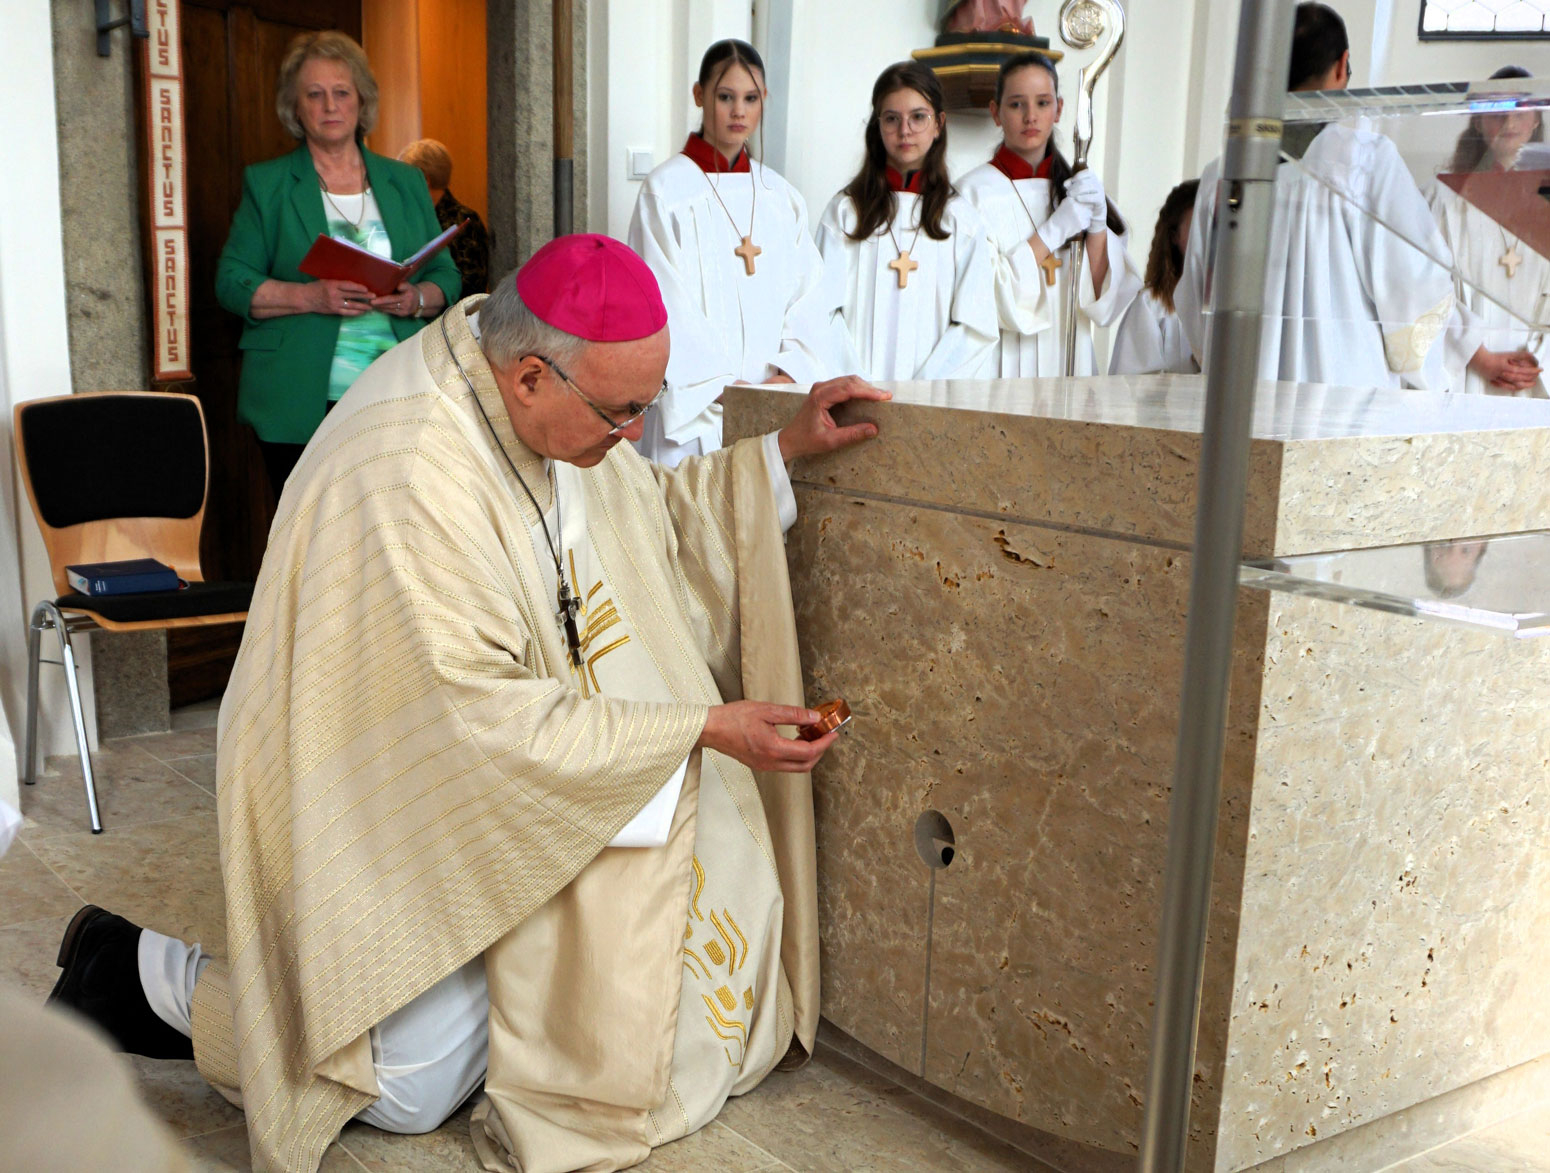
pixel 285 361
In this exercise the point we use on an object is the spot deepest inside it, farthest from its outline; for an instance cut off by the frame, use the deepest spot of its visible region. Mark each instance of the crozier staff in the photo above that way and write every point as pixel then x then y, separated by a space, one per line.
pixel 729 242
pixel 907 266
pixel 549 839
pixel 1032 205
pixel 305 341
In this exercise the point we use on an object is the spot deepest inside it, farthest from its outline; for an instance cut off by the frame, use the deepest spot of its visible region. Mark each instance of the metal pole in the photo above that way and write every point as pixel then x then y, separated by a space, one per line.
pixel 564 121
pixel 1245 202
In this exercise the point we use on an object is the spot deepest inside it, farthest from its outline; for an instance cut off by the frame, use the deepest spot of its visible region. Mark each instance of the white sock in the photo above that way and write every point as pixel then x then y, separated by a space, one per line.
pixel 168 971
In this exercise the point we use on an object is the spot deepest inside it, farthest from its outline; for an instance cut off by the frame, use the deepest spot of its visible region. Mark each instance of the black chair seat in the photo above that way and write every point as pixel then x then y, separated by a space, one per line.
pixel 198 598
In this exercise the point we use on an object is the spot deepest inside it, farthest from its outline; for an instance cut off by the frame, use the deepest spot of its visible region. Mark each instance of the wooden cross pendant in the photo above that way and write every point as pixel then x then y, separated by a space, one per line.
pixel 748 250
pixel 904 267
pixel 1049 264
pixel 1510 260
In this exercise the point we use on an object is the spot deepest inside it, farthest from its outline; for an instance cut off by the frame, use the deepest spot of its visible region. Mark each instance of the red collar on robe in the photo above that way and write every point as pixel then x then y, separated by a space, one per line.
pixel 1014 166
pixel 897 182
pixel 712 160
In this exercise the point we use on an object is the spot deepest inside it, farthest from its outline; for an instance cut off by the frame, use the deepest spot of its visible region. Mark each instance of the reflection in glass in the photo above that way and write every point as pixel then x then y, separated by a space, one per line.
pixel 1489 210
pixel 1501 584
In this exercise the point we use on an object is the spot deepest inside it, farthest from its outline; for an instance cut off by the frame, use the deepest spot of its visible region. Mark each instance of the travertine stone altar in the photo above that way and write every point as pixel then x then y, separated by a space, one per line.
pixel 998 586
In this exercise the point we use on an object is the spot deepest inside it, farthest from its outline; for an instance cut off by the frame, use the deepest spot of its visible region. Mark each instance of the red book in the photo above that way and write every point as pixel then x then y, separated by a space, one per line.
pixel 339 260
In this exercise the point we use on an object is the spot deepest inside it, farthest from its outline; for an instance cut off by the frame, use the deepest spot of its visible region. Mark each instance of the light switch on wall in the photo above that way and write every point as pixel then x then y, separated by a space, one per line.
pixel 639 163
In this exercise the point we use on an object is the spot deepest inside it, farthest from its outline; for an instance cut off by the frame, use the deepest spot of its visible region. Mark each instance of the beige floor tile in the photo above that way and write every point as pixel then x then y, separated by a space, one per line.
pixel 179 1095
pixel 199 770
pixel 27 953
pixel 833 1116
pixel 163 876
pixel 29 891
pixel 449 1147
pixel 180 743
pixel 1516 1145
pixel 226 1151
pixel 132 788
pixel 202 715
pixel 714 1147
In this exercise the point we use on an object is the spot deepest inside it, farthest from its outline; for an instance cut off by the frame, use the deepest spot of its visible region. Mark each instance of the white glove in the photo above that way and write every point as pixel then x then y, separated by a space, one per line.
pixel 1069 219
pixel 1087 189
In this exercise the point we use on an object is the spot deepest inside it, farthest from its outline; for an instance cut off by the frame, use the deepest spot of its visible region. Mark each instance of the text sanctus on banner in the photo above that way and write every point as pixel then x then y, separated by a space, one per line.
pixel 165 173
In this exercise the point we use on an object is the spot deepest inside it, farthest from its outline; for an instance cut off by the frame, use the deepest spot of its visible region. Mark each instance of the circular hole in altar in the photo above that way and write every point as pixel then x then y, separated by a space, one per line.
pixel 934 839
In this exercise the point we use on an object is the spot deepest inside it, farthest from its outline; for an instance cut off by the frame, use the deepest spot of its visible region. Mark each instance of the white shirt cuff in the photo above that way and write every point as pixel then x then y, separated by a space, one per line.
pixel 780 482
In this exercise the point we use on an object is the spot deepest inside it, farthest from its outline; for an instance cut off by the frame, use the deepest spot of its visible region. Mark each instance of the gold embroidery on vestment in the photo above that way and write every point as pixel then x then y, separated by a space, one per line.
pixel 597 620
pixel 699 887
pixel 731 944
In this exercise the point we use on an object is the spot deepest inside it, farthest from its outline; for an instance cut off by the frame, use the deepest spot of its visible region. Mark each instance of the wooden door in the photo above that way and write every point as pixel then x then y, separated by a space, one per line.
pixel 231 56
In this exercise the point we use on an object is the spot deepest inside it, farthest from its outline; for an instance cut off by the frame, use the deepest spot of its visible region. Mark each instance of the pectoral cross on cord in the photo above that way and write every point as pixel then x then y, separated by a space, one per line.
pixel 1510 260
pixel 748 250
pixel 902 264
pixel 570 605
pixel 1051 261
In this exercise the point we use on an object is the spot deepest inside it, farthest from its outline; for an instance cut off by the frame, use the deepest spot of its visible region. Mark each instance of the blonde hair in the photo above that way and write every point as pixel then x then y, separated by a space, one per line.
pixel 432 158
pixel 330 45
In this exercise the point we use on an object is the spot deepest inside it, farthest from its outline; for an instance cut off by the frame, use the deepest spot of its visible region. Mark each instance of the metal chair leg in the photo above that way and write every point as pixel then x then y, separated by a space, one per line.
pixel 34 652
pixel 67 658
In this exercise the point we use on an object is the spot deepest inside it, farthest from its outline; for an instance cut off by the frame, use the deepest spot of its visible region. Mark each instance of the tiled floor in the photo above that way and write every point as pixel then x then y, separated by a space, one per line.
pixel 157 864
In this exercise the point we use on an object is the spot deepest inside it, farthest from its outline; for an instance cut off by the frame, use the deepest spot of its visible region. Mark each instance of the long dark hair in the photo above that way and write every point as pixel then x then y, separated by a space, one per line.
pixel 722 56
pixel 869 192
pixel 1318 42
pixel 1470 153
pixel 1165 263
pixel 1059 166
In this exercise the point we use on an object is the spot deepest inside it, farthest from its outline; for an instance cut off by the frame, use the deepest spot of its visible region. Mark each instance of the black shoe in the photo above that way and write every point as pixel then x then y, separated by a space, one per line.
pixel 100 956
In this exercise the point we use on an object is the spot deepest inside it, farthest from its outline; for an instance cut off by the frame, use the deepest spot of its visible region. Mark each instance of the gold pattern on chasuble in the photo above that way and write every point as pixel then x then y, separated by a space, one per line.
pixel 598 621
pixel 721 954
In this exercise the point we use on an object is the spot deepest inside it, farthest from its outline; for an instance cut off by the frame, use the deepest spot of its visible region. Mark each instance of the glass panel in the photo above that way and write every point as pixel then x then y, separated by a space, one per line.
pixel 1501 584
pixel 1411 247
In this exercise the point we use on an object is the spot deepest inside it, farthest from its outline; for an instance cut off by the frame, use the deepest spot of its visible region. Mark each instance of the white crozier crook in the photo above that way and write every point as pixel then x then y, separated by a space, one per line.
pixel 1082 23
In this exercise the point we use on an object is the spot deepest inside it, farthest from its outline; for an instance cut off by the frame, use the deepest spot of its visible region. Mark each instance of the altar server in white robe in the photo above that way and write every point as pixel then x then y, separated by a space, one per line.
pixel 1033 206
pixel 1358 286
pixel 729 242
pixel 1150 338
pixel 1496 343
pixel 908 269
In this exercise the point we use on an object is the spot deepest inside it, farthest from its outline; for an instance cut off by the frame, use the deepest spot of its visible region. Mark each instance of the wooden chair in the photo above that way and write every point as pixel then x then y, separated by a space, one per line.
pixel 111 476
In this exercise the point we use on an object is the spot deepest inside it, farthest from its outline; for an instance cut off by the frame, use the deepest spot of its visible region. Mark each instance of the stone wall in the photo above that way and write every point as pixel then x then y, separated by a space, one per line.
pixel 521 69
pixel 105 298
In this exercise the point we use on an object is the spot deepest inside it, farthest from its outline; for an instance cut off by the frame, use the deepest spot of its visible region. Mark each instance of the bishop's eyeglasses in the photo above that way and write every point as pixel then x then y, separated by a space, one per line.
pixel 633 410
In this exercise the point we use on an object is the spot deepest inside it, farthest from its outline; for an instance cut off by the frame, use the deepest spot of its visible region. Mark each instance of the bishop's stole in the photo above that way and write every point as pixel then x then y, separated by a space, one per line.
pixel 409 769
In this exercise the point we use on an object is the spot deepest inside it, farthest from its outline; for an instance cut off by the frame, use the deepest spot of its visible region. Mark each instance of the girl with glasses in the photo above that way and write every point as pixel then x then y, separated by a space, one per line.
pixel 1033 207
pixel 728 240
pixel 906 260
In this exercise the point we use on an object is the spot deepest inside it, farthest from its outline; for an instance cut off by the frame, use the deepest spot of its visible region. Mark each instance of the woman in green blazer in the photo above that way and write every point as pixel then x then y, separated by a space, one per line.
pixel 306 340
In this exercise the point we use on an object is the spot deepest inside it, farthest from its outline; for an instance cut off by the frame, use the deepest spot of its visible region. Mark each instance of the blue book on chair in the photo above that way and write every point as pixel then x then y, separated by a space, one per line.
pixel 136 576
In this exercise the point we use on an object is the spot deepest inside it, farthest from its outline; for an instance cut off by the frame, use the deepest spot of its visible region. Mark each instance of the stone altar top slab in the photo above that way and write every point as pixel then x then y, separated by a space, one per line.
pixel 1330 468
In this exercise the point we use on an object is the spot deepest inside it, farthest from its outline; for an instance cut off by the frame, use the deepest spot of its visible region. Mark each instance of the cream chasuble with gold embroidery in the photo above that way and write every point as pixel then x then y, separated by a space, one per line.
pixel 411 774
